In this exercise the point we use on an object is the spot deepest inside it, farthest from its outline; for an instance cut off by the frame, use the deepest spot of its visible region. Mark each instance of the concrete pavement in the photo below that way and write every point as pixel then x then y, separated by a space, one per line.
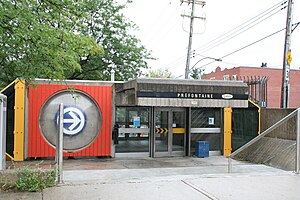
pixel 171 178
pixel 222 187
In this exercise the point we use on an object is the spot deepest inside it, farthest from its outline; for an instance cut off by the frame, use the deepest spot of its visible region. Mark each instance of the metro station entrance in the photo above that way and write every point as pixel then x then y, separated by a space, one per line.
pixel 167 138
pixel 170 134
pixel 166 117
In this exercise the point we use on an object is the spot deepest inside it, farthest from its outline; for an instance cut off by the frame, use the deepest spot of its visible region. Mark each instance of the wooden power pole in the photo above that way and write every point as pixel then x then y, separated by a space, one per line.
pixel 193 2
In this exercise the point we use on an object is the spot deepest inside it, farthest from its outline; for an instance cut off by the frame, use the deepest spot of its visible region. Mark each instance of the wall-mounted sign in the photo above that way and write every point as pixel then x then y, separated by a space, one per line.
pixel 189 95
pixel 211 121
pixel 194 95
pixel 227 96
pixel 136 121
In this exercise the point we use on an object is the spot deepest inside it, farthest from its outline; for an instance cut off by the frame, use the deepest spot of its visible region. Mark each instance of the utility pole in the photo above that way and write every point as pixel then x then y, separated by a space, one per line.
pixel 287 58
pixel 193 2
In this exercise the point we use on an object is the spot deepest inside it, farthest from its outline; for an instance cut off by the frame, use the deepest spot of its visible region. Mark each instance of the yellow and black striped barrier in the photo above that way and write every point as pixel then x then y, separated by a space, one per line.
pixel 174 130
pixel 161 130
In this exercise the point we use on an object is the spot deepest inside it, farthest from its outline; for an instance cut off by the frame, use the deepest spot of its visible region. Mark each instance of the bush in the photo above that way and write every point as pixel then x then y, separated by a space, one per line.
pixel 26 179
pixel 34 179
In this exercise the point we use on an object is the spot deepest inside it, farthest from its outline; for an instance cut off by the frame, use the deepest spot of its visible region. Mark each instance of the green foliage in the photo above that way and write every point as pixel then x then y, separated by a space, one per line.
pixel 34 180
pixel 68 39
pixel 122 50
pixel 27 179
pixel 39 39
pixel 197 73
pixel 161 73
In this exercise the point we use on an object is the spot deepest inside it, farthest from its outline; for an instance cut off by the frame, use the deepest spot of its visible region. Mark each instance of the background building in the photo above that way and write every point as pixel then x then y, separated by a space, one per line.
pixel 273 86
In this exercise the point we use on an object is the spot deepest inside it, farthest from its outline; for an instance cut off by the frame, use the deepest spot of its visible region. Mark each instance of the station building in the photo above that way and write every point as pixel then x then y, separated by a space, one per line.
pixel 141 117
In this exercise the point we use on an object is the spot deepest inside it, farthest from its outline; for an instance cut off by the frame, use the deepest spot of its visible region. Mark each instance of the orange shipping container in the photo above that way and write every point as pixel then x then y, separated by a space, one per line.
pixel 42 119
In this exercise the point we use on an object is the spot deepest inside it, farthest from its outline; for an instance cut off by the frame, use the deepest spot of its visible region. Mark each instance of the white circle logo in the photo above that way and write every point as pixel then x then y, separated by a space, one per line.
pixel 74 120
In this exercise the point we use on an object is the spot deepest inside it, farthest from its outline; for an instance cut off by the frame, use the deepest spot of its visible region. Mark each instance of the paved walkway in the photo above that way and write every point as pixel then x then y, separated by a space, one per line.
pixel 168 178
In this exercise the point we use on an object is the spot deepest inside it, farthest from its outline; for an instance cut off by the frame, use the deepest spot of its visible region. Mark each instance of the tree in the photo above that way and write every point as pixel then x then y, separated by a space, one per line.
pixel 160 73
pixel 65 39
pixel 37 39
pixel 122 50
pixel 197 73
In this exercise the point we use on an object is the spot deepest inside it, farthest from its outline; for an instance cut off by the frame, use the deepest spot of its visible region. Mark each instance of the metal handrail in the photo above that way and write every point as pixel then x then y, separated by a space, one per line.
pixel 274 126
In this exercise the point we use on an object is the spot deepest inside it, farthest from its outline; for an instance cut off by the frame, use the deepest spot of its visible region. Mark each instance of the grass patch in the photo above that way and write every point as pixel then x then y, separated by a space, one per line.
pixel 27 179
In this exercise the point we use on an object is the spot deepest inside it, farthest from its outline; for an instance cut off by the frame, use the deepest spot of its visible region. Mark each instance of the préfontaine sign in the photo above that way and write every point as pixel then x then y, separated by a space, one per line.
pixel 190 95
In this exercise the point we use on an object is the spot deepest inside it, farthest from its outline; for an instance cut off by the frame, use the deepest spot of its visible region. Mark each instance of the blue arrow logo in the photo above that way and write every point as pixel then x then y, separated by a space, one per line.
pixel 74 120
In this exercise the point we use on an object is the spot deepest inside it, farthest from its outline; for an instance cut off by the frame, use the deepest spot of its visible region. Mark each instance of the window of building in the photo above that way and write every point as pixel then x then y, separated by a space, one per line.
pixel 234 77
pixel 213 78
pixel 226 77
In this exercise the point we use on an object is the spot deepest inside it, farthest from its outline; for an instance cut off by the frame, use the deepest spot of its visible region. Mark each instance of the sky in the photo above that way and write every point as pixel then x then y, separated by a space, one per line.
pixel 163 31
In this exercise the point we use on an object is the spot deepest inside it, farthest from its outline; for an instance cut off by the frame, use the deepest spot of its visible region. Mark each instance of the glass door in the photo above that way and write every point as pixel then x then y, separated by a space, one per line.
pixel 170 137
pixel 162 131
pixel 178 132
pixel 132 124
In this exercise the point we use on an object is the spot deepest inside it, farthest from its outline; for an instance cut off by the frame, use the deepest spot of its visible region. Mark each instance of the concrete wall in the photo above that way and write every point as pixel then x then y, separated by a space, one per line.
pixel 273 152
pixel 286 131
pixel 278 148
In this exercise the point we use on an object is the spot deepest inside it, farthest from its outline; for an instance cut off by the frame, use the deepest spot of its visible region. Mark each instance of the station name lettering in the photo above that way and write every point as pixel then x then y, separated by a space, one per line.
pixel 194 95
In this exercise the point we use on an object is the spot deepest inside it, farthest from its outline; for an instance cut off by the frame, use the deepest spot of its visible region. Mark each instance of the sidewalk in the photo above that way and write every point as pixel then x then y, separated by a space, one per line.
pixel 169 178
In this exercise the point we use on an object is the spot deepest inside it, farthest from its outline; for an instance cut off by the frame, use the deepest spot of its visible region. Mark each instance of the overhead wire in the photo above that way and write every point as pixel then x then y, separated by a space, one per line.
pixel 264 13
pixel 237 33
pixel 156 20
pixel 161 26
pixel 295 24
pixel 245 25
pixel 252 43
pixel 181 58
pixel 166 33
pixel 194 33
pixel 248 45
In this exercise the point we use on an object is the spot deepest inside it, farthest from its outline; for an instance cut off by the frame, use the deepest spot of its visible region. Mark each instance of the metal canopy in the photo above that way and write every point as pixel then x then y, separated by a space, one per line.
pixel 182 93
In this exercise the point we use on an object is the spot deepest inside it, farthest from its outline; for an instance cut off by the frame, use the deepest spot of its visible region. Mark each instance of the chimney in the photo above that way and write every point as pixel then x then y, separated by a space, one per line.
pixel 263 65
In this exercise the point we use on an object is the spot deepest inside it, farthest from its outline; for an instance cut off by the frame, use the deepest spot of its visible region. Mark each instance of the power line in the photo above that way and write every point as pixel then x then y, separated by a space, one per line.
pixel 179 61
pixel 165 34
pixel 241 29
pixel 264 13
pixel 192 18
pixel 295 24
pixel 162 24
pixel 158 18
pixel 252 43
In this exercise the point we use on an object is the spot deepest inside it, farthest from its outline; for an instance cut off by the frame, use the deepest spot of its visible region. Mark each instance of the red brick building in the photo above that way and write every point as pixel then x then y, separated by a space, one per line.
pixel 273 85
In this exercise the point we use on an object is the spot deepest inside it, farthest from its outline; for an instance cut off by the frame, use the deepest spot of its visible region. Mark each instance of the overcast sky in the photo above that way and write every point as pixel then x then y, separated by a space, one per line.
pixel 164 31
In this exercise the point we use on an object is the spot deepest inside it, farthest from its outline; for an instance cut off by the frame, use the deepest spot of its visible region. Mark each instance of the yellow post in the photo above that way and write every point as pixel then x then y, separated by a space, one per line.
pixel 259 115
pixel 227 131
pixel 19 120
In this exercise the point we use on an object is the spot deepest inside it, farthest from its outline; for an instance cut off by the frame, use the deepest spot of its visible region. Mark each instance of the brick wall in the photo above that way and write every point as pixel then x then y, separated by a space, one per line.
pixel 274 83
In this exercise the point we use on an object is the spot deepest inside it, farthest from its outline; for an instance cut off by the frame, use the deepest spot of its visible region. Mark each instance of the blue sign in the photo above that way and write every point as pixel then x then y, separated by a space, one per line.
pixel 74 120
pixel 136 121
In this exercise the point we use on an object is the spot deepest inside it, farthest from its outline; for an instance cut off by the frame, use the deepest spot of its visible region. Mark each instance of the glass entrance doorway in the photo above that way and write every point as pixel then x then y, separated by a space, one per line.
pixel 132 135
pixel 170 132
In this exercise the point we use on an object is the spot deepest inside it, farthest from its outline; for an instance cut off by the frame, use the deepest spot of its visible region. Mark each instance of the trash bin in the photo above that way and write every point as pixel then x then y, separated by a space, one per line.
pixel 202 149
